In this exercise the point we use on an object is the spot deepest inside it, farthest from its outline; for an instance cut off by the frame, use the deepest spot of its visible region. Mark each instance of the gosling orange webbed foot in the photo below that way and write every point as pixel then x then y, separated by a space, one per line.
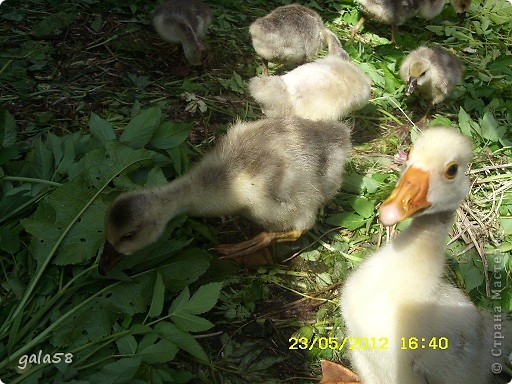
pixel 263 239
pixel 333 373
pixel 357 27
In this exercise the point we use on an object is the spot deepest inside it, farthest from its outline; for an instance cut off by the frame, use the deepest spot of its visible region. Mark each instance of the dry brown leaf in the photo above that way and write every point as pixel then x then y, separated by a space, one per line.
pixel 333 373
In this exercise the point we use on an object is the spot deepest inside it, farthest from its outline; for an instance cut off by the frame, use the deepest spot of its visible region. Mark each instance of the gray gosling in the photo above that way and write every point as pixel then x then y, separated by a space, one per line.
pixel 276 172
pixel 291 34
pixel 432 73
pixel 397 12
pixel 184 22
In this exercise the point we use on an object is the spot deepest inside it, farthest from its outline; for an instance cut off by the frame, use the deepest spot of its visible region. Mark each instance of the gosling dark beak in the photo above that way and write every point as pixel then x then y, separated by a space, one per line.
pixel 108 259
pixel 411 86
pixel 462 17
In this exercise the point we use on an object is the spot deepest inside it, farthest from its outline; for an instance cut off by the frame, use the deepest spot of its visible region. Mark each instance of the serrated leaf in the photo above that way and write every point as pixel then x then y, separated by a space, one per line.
pixel 489 127
pixel 472 275
pixel 127 345
pixel 204 298
pixel 118 372
pixel 141 128
pixel 180 302
pixel 370 184
pixel 185 268
pixel 169 135
pixel 157 303
pixel 162 352
pixel 40 162
pixel 362 206
pixel 56 213
pixel 265 363
pixel 182 339
pixel 101 128
pixel 102 164
pixel 55 143
pixel 202 301
pixel 7 129
pixel 55 22
pixel 9 241
pixel 191 323
pixel 464 122
pixel 347 220
pixel 353 183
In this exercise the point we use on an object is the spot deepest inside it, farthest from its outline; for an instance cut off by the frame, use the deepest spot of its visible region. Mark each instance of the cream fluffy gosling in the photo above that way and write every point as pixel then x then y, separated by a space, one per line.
pixel 425 329
pixel 275 172
pixel 325 89
pixel 184 22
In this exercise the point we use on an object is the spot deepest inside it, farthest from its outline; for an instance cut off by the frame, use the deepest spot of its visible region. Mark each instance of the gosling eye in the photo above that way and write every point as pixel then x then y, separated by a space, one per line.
pixel 451 170
pixel 128 236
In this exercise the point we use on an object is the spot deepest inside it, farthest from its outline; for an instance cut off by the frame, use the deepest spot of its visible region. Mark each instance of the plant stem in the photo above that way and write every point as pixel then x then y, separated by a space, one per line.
pixel 30 180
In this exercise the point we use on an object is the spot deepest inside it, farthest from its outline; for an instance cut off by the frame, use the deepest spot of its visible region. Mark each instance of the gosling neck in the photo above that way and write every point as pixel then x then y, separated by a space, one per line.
pixel 171 200
pixel 420 249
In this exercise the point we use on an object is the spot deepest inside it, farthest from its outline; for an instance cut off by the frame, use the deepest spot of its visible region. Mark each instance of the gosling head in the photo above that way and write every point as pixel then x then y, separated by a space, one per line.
pixel 132 223
pixel 435 179
pixel 419 74
pixel 461 7
pixel 195 52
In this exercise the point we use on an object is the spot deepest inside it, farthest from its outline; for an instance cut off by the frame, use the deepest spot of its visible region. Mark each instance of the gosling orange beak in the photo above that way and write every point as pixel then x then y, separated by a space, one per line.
pixel 408 197
pixel 108 259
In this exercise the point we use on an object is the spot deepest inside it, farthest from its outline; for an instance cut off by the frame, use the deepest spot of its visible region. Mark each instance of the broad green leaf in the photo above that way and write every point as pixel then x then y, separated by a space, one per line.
pixel 101 128
pixel 472 275
pixel 140 129
pixel 506 223
pixel 169 135
pixel 55 144
pixel 89 324
pixel 9 241
pixel 347 220
pixel 127 345
pixel 139 329
pixel 118 372
pixel 148 339
pixel 40 162
pixel 162 352
pixel 353 183
pixel 158 297
pixel 191 323
pixel 57 212
pixel 370 184
pixel 7 129
pixel 489 127
pixel 182 339
pixel 464 122
pixel 55 22
pixel 362 206
pixel 184 268
pixel 204 298
pixel 180 302
pixel 115 158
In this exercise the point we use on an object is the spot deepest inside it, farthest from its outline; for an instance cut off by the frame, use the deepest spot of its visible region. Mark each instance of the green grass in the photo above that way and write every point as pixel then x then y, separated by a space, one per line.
pixel 87 102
